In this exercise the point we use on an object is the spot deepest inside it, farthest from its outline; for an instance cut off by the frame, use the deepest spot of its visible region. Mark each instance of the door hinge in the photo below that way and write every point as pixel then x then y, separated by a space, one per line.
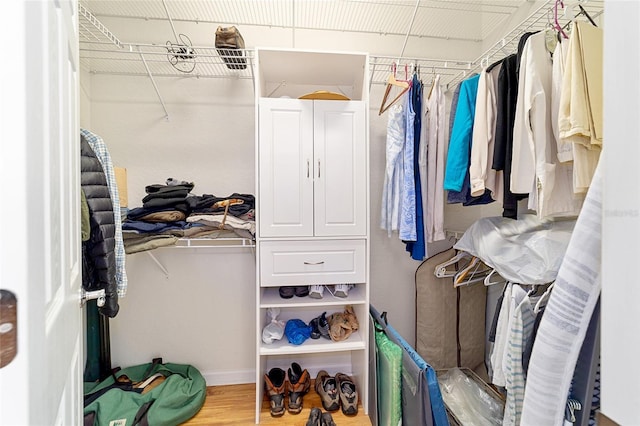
pixel 99 295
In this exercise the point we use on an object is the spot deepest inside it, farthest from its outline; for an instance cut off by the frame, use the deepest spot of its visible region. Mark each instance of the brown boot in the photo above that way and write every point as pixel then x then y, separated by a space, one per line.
pixel 274 383
pixel 298 384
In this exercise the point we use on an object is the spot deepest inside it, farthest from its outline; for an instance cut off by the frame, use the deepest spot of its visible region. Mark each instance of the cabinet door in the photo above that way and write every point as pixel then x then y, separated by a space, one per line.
pixel 340 168
pixel 285 167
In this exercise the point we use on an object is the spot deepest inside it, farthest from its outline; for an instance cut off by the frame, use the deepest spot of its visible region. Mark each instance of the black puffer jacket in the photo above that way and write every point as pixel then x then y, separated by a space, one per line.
pixel 99 259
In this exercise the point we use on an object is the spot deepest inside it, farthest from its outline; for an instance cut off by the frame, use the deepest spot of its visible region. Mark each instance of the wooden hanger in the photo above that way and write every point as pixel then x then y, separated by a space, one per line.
pixel 474 272
pixel 391 81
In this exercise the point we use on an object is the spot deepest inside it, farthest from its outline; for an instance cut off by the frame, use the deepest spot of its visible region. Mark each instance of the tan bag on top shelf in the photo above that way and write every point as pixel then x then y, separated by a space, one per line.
pixel 230 45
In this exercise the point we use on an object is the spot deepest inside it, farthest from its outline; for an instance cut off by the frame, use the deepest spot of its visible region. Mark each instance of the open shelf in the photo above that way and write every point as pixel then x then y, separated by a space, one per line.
pixel 283 347
pixel 271 299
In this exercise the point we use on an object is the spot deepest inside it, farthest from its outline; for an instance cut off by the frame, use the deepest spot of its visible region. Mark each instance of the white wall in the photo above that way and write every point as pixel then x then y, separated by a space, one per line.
pixel 203 314
pixel 620 346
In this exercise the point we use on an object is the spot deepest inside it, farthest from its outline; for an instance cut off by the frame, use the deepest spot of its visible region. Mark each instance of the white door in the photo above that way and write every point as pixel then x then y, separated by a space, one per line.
pixel 39 218
pixel 285 205
pixel 340 167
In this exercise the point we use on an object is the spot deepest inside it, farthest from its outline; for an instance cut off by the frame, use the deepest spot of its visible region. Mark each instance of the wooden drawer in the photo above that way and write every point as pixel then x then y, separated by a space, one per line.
pixel 312 262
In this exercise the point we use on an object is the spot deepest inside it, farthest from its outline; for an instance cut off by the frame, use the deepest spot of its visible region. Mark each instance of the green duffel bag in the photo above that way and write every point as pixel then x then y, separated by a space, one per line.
pixel 154 394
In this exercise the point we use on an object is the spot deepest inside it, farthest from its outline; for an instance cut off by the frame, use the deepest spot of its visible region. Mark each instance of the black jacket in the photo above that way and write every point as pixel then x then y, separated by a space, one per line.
pixel 99 259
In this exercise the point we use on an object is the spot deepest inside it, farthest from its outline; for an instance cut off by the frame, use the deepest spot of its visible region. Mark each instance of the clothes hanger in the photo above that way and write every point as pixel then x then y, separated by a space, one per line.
pixel 487 279
pixel 555 18
pixel 391 81
pixel 443 271
pixel 543 299
pixel 475 272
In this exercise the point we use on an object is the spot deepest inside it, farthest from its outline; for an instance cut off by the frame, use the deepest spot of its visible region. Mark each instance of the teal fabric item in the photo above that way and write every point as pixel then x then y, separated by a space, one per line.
pixel 175 400
pixel 460 141
pixel 422 404
pixel 389 374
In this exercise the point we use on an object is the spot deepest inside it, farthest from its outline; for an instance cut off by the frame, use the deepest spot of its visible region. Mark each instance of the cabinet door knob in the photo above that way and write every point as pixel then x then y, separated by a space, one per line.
pixel 318 168
pixel 314 263
pixel 308 167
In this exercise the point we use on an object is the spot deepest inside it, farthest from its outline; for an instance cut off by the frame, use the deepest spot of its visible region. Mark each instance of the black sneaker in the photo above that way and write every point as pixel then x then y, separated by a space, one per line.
pixel 287 292
pixel 320 327
pixel 301 290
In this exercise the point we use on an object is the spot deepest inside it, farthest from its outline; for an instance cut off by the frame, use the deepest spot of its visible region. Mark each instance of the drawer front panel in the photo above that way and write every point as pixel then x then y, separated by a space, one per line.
pixel 312 262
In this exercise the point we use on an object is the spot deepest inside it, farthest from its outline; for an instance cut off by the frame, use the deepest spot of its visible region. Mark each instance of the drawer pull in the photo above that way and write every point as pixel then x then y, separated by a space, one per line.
pixel 314 263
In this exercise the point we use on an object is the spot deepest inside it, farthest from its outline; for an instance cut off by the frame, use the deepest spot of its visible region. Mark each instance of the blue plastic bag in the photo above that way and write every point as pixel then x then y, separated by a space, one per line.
pixel 297 331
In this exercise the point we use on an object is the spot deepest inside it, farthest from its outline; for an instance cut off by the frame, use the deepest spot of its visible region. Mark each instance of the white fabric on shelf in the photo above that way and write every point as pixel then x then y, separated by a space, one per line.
pixel 527 250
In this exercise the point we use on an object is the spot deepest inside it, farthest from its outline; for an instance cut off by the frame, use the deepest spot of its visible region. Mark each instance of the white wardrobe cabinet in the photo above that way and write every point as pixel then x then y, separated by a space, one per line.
pixel 311 168
pixel 312 206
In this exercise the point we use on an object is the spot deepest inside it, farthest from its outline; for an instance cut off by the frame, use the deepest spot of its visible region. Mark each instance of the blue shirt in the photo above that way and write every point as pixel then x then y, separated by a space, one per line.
pixel 460 141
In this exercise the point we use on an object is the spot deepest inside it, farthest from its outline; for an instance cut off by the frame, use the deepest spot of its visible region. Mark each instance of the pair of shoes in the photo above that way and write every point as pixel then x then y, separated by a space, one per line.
pixel 287 292
pixel 320 327
pixel 318 418
pixel 342 290
pixel 316 291
pixel 296 382
pixel 336 392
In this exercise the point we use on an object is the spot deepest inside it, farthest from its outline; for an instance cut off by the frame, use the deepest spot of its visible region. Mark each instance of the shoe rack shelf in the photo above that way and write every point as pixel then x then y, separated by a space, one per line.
pixel 270 298
pixel 355 342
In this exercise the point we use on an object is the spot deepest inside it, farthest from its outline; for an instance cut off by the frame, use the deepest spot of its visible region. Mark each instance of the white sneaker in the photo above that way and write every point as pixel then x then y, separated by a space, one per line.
pixel 316 291
pixel 342 290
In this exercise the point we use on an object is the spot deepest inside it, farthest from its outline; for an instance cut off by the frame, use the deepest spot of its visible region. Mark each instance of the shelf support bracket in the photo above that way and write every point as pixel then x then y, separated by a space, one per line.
pixel 160 265
pixel 153 82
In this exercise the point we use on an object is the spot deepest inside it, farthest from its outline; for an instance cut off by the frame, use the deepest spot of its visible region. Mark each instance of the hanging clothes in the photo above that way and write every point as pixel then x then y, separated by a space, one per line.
pixel 580 112
pixel 460 140
pixel 418 248
pixel 566 319
pixel 459 154
pixel 565 150
pixel 535 167
pixel 391 190
pixel 101 151
pixel 520 332
pixel 432 161
pixel 407 230
pixel 507 96
pixel 481 174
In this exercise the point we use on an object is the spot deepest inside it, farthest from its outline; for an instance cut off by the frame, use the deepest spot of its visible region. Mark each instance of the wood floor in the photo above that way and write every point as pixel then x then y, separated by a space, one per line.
pixel 235 405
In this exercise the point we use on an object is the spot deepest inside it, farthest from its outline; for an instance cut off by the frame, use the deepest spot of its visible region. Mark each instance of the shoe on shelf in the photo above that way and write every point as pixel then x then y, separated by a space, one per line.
pixel 316 291
pixel 301 290
pixel 298 385
pixel 287 292
pixel 320 327
pixel 327 420
pixel 348 394
pixel 327 388
pixel 275 385
pixel 314 417
pixel 342 290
